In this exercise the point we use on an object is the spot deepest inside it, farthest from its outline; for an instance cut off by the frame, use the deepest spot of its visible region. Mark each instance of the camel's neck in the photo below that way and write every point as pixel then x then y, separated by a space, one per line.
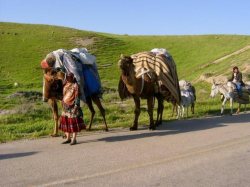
pixel 130 77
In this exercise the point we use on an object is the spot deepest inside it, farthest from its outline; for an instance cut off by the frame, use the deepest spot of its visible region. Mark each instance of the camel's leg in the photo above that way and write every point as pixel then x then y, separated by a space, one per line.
pixel 245 108
pixel 223 106
pixel 178 112
pixel 98 103
pixel 92 110
pixel 192 108
pixel 162 108
pixel 174 109
pixel 187 112
pixel 150 112
pixel 183 111
pixel 54 107
pixel 137 112
pixel 159 110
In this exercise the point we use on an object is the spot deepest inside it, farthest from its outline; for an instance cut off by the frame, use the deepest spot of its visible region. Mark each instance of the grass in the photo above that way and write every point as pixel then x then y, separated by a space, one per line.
pixel 23 46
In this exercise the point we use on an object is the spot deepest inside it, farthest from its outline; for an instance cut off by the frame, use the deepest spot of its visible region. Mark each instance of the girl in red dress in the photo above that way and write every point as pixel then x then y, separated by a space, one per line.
pixel 71 120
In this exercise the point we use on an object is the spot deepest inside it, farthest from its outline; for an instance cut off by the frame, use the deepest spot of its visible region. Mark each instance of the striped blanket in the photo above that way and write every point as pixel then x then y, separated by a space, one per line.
pixel 165 69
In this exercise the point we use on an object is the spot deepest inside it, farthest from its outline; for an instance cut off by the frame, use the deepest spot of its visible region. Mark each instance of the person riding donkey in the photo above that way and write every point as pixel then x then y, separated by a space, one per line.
pixel 237 80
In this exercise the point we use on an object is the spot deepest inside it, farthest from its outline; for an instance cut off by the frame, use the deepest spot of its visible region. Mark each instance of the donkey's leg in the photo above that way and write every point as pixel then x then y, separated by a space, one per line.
pixel 150 112
pixel 223 106
pixel 187 112
pixel 92 110
pixel 245 108
pixel 238 110
pixel 231 106
pixel 137 112
pixel 54 107
pixel 98 103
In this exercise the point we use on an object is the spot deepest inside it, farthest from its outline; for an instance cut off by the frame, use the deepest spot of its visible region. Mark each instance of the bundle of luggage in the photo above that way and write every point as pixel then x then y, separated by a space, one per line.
pixel 158 60
pixel 82 64
pixel 187 90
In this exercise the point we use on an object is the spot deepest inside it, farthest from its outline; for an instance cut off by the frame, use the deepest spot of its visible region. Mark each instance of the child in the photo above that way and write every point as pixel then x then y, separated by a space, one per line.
pixel 71 120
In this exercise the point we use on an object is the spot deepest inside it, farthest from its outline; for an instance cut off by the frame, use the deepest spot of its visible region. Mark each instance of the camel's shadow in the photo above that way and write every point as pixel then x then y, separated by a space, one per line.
pixel 16 155
pixel 182 126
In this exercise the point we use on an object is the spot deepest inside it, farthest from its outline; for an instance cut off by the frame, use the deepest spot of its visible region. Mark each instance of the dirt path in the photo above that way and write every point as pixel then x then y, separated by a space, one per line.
pixel 242 50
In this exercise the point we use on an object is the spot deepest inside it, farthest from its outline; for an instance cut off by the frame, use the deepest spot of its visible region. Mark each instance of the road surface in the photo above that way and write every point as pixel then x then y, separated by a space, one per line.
pixel 199 152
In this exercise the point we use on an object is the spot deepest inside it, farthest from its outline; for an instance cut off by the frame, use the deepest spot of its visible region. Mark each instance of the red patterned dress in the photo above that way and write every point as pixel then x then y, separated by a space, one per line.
pixel 72 117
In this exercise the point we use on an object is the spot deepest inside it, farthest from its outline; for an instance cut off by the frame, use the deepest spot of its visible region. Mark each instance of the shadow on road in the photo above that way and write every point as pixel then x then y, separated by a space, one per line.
pixel 182 126
pixel 15 155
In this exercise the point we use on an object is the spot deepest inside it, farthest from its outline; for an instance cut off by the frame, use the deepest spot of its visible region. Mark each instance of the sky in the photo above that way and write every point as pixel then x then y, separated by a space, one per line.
pixel 134 17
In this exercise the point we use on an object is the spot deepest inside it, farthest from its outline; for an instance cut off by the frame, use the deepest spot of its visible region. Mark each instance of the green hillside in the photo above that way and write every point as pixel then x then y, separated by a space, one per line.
pixel 23 46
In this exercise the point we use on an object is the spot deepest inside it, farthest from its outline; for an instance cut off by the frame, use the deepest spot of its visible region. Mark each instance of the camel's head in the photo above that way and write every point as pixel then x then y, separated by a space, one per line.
pixel 125 63
pixel 52 78
pixel 52 84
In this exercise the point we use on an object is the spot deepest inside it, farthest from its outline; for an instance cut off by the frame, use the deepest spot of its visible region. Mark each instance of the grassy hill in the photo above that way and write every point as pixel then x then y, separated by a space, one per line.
pixel 23 46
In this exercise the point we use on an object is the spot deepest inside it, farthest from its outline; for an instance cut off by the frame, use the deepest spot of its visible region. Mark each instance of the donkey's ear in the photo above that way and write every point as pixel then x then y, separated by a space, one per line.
pixel 214 81
pixel 121 56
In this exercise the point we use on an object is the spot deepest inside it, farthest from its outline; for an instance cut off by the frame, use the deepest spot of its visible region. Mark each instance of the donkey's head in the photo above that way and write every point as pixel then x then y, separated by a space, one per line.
pixel 214 89
pixel 125 63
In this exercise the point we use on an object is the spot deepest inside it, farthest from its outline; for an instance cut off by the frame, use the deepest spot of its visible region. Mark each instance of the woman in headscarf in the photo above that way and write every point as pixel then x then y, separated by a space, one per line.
pixel 71 120
pixel 237 79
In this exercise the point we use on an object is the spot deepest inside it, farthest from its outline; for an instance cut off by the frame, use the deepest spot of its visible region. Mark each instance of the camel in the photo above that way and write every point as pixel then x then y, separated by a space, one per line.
pixel 52 92
pixel 139 88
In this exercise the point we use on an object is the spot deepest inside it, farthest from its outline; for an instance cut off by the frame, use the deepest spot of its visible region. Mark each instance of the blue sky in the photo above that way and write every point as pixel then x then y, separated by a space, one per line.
pixel 147 17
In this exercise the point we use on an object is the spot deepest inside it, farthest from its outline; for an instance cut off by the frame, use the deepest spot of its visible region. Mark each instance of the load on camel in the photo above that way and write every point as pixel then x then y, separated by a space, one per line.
pixel 83 65
pixel 149 75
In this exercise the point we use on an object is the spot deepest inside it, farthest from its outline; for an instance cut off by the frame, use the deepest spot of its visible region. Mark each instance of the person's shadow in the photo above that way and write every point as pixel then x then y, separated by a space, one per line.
pixel 182 126
pixel 15 155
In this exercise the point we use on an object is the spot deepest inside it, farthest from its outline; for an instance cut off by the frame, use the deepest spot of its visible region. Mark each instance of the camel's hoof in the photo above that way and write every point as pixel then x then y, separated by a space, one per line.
pixel 63 136
pixel 221 114
pixel 133 128
pixel 54 135
pixel 152 128
pixel 231 114
pixel 106 130
pixel 158 124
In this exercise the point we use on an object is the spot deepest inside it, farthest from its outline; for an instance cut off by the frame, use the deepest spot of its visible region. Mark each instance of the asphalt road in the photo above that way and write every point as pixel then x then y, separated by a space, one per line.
pixel 200 152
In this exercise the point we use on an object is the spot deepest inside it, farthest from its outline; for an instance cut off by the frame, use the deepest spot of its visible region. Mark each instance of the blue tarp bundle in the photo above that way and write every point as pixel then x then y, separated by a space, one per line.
pixel 91 80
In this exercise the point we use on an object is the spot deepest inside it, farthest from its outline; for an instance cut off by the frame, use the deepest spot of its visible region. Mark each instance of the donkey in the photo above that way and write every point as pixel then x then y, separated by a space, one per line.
pixel 188 98
pixel 143 87
pixel 227 93
pixel 52 92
